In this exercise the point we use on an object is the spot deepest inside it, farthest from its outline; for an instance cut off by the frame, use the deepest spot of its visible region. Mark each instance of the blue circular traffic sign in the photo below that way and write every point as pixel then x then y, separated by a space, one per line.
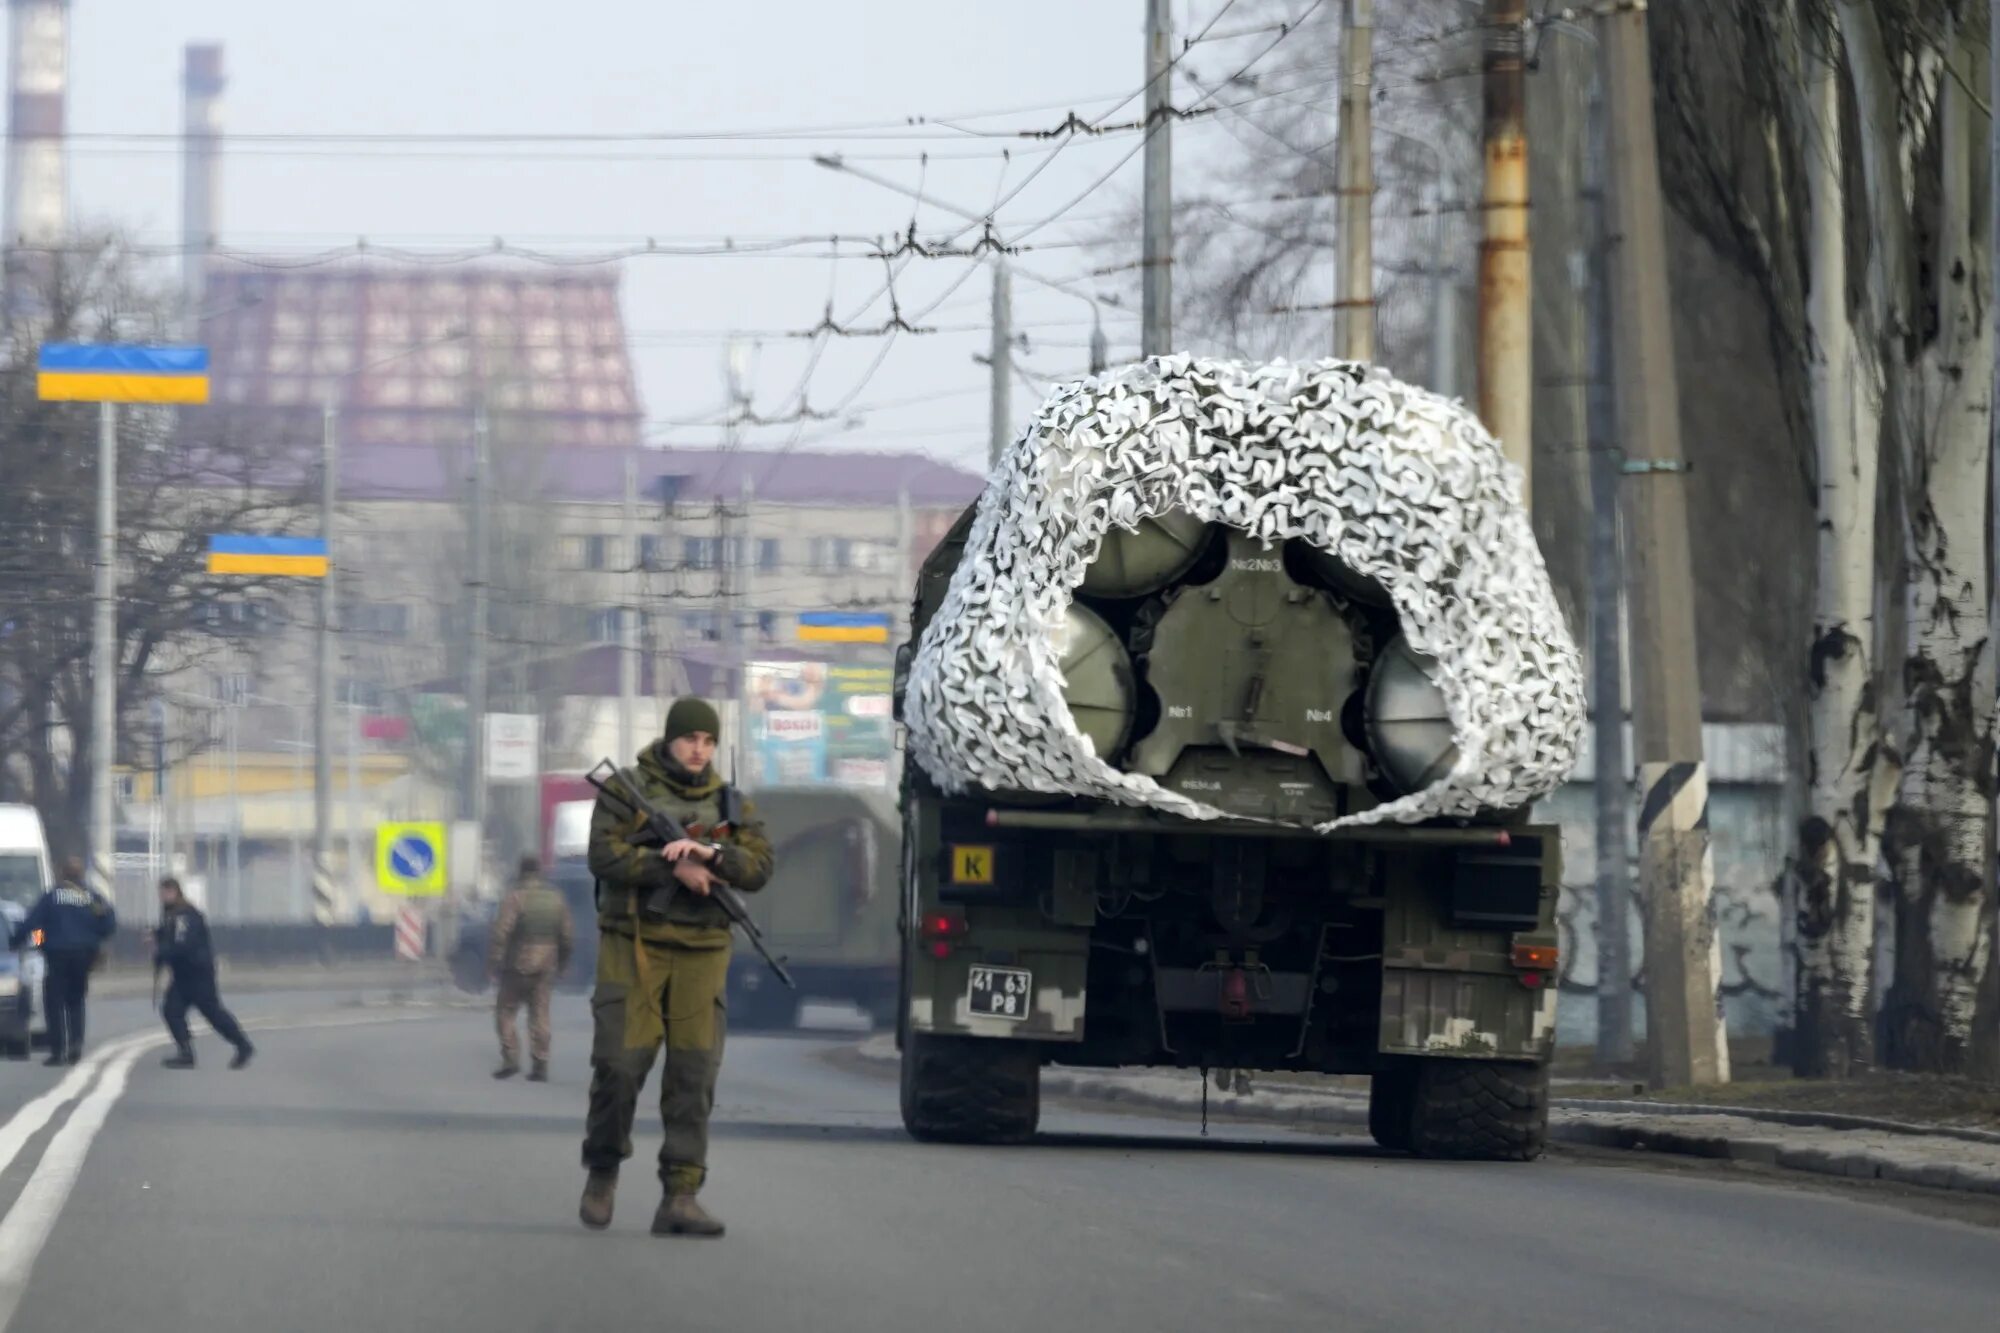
pixel 412 856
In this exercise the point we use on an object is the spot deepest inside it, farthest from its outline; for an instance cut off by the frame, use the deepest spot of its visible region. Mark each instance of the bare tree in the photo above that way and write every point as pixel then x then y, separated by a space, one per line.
pixel 182 478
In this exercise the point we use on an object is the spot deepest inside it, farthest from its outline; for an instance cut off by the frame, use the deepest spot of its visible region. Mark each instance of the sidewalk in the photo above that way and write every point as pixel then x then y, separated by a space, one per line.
pixel 1854 1147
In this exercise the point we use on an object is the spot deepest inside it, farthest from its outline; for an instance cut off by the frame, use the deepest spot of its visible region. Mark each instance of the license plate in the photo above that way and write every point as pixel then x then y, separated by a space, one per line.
pixel 1000 992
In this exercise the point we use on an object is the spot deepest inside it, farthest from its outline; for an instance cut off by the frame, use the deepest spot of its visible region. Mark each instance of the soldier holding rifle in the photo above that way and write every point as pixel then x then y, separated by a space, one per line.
pixel 664 917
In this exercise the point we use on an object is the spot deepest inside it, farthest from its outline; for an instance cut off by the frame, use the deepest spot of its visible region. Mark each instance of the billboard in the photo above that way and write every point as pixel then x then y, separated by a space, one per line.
pixel 816 724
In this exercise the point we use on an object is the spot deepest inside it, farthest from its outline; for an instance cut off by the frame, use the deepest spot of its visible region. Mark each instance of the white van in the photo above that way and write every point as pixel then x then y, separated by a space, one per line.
pixel 24 873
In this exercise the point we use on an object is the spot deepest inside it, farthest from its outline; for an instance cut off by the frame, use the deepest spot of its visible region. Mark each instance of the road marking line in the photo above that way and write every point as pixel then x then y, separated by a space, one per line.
pixel 28 1121
pixel 27 1225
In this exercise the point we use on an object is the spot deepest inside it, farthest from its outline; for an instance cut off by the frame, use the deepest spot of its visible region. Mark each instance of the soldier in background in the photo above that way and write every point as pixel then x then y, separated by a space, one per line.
pixel 532 940
pixel 662 964
pixel 74 921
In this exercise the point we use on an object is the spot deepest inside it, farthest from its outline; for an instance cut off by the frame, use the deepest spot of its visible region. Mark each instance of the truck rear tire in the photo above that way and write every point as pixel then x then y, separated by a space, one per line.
pixel 970 1089
pixel 1478 1110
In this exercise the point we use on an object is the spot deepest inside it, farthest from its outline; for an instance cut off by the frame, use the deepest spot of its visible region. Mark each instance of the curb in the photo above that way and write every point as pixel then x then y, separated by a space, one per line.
pixel 1584 1122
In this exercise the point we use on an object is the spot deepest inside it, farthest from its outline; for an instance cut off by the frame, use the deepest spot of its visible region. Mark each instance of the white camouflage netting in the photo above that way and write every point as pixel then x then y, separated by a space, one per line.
pixel 1402 485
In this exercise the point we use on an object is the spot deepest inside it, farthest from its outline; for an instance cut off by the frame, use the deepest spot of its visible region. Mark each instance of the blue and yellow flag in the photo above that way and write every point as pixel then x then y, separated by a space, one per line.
pixel 302 557
pixel 844 626
pixel 122 373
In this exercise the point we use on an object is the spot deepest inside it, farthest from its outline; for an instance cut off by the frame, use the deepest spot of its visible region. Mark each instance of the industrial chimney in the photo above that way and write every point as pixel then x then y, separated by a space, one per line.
pixel 201 172
pixel 37 186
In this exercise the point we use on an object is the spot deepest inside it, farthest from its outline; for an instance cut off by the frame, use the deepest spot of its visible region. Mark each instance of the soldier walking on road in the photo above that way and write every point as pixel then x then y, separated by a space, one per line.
pixel 663 962
pixel 74 921
pixel 532 940
pixel 182 946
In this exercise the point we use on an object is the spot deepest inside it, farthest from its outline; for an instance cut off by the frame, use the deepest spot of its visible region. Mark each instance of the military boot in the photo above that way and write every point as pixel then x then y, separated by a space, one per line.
pixel 540 1073
pixel 507 1070
pixel 242 1056
pixel 180 1059
pixel 680 1215
pixel 598 1193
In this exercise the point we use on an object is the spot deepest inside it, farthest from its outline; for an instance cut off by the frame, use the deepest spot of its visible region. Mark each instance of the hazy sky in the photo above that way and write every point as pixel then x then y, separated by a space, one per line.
pixel 508 66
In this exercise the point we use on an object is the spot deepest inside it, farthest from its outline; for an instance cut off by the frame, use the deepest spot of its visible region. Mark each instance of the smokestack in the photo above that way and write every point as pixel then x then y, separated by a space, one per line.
pixel 37 185
pixel 201 172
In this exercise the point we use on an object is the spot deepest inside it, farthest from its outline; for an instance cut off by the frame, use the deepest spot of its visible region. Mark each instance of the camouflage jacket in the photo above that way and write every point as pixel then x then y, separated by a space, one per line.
pixel 533 933
pixel 637 884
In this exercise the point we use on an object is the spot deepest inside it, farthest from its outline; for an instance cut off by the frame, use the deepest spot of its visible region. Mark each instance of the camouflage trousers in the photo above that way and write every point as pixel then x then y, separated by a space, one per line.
pixel 533 990
pixel 648 996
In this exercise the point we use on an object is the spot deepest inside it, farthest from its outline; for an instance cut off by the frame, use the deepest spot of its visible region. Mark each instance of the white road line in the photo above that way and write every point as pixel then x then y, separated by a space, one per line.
pixel 28 1224
pixel 28 1121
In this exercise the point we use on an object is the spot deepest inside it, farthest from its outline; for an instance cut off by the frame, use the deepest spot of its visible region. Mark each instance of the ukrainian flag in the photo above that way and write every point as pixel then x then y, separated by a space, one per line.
pixel 844 626
pixel 122 373
pixel 301 557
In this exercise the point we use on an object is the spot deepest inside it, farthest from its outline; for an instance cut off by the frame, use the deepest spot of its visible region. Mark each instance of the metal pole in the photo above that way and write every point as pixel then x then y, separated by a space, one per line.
pixel 162 787
pixel 1003 359
pixel 1156 324
pixel 1444 304
pixel 352 807
pixel 233 719
pixel 104 652
pixel 1607 639
pixel 628 617
pixel 1506 346
pixel 322 866
pixel 1683 955
pixel 1354 297
pixel 475 687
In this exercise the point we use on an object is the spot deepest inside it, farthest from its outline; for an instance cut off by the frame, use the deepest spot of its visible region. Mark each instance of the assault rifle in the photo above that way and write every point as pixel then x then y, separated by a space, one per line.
pixel 668 829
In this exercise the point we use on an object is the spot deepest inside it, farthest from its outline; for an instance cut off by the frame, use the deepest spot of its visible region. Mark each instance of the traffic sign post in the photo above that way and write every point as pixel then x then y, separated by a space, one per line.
pixel 410 859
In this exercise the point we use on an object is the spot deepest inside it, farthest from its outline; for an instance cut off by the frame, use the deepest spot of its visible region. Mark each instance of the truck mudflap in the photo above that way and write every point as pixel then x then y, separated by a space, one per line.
pixel 1022 994
pixel 1472 1015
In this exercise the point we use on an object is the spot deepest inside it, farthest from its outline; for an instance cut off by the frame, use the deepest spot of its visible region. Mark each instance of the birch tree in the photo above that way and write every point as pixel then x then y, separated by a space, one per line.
pixel 1924 163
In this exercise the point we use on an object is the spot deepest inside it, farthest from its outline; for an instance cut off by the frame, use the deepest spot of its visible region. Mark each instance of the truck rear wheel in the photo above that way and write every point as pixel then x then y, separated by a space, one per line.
pixel 970 1089
pixel 1477 1110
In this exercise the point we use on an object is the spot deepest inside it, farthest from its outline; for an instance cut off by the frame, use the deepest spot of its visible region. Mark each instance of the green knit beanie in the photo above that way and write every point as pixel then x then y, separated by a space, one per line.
pixel 692 714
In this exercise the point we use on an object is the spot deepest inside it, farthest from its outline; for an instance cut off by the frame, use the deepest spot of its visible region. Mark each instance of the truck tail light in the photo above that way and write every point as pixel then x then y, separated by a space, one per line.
pixel 1541 957
pixel 942 928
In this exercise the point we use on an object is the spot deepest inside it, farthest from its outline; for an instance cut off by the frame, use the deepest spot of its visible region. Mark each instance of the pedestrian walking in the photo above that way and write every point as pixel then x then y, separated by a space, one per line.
pixel 662 963
pixel 182 946
pixel 533 938
pixel 74 922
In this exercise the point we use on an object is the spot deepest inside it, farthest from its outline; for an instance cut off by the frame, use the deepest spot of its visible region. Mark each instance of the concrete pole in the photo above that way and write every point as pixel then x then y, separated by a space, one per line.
pixel 1444 303
pixel 104 653
pixel 323 898
pixel 352 805
pixel 628 617
pixel 1000 422
pixel 1354 295
pixel 1683 954
pixel 475 685
pixel 232 718
pixel 1156 320
pixel 1506 342
pixel 1607 640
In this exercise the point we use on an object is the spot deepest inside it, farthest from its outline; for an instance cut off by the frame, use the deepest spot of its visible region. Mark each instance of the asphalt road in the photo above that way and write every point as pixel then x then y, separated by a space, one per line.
pixel 366 1173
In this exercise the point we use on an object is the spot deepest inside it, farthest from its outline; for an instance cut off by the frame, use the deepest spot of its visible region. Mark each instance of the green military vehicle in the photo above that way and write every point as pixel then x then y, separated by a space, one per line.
pixel 830 909
pixel 1048 929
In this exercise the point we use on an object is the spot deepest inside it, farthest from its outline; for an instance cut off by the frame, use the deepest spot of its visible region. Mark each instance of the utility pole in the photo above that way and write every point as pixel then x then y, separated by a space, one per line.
pixel 1156 322
pixel 1607 581
pixel 475 688
pixel 1444 302
pixel 1683 955
pixel 1003 362
pixel 1354 297
pixel 1506 342
pixel 322 853
pixel 628 615
pixel 104 653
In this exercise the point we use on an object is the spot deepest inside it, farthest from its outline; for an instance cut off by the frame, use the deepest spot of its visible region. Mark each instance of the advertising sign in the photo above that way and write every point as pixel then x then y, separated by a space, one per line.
pixel 814 724
pixel 513 747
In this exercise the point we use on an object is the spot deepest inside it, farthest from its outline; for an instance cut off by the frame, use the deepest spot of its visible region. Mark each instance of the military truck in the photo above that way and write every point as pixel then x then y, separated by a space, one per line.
pixel 1039 929
pixel 830 909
